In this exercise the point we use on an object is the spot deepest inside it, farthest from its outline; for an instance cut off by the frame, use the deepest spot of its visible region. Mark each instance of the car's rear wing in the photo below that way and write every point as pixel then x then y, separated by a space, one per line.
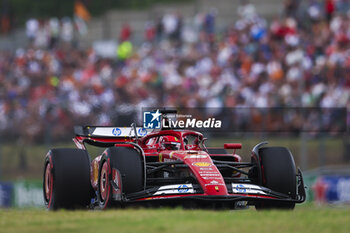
pixel 110 132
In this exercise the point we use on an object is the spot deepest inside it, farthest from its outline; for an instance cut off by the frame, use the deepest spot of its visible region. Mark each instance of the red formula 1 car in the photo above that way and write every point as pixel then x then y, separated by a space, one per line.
pixel 167 167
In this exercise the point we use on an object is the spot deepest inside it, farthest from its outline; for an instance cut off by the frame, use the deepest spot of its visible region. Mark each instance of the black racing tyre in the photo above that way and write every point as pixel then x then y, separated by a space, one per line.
pixel 278 173
pixel 66 180
pixel 129 163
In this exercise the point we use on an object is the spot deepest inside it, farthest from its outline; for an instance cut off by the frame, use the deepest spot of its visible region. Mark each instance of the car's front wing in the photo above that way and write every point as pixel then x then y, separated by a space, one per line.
pixel 237 192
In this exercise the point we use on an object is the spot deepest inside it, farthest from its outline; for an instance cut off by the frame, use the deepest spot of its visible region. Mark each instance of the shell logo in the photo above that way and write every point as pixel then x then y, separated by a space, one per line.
pixel 201 164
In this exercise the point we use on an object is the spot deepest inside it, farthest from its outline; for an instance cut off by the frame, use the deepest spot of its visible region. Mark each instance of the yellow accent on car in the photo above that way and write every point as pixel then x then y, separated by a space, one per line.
pixel 202 164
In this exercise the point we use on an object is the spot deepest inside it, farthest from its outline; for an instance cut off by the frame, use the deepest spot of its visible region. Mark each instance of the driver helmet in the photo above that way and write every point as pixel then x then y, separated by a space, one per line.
pixel 170 143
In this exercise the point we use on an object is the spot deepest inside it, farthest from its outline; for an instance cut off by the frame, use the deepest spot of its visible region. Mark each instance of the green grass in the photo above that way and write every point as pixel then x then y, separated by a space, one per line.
pixel 305 218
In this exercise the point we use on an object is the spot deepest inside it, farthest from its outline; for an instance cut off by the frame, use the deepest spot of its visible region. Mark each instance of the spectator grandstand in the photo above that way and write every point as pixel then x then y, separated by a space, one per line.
pixel 288 62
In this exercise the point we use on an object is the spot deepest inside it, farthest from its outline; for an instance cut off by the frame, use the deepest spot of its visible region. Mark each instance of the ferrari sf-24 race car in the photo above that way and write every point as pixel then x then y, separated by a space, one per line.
pixel 167 168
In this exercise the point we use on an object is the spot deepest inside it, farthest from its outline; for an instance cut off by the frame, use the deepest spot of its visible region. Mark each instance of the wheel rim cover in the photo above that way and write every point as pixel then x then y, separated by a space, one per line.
pixel 48 182
pixel 104 182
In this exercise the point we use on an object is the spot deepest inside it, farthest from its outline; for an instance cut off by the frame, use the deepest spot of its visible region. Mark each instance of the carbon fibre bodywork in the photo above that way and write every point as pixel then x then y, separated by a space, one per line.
pixel 179 169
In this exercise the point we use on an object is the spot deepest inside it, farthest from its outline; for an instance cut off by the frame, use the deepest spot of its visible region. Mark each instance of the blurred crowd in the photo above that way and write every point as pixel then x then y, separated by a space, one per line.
pixel 49 33
pixel 299 60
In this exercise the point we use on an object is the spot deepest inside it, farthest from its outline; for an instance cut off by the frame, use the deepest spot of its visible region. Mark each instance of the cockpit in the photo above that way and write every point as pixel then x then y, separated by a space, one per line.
pixel 175 141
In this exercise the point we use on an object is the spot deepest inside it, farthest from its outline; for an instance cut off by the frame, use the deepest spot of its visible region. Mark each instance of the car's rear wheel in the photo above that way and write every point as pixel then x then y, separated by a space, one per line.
pixel 278 173
pixel 129 164
pixel 66 179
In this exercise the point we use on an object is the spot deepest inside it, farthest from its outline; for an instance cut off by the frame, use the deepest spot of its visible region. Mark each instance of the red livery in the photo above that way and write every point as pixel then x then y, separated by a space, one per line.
pixel 167 167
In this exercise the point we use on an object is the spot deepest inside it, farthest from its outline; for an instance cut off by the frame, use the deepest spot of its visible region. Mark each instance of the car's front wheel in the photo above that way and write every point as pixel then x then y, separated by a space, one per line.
pixel 130 166
pixel 278 173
